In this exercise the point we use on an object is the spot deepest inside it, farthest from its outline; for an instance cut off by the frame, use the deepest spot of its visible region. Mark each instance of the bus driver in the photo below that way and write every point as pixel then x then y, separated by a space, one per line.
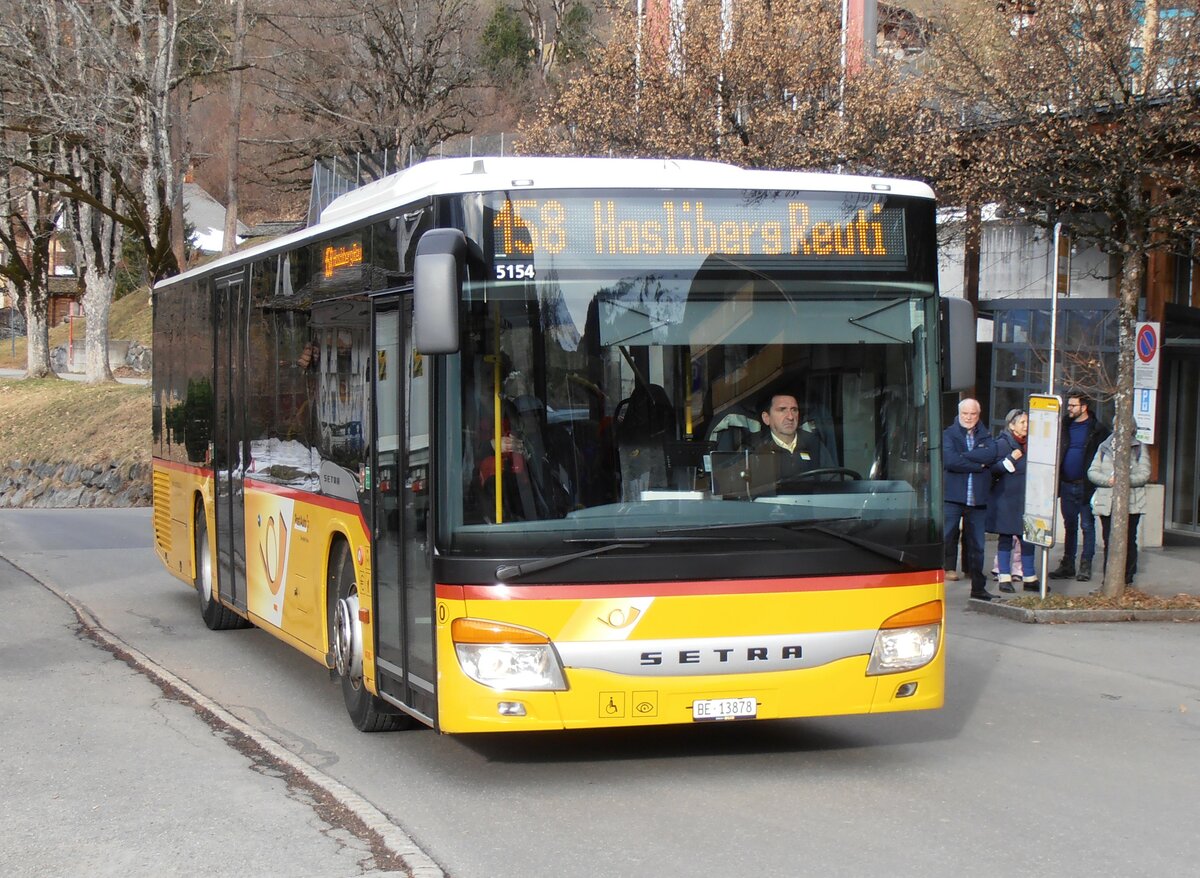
pixel 797 451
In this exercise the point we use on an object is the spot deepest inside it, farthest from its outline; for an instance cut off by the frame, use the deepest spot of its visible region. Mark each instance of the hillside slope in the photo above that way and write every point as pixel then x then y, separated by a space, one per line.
pixel 54 420
pixel 66 443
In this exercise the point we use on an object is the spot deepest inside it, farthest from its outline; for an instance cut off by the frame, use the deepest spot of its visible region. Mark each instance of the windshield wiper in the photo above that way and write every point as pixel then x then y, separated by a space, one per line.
pixel 819 525
pixel 508 572
pixel 908 559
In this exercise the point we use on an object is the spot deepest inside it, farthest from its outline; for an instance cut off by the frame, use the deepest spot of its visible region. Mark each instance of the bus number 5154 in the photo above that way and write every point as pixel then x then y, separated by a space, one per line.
pixel 514 271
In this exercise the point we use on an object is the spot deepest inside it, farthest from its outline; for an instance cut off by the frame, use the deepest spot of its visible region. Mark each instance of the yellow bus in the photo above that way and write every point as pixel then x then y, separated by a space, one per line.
pixel 495 441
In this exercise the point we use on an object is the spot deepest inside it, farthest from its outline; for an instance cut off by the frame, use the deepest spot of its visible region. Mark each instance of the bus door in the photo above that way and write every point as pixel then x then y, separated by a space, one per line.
pixel 400 495
pixel 231 443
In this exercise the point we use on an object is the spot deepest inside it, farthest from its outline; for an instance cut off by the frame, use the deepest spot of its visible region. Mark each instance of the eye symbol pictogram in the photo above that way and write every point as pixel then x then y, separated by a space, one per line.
pixel 618 618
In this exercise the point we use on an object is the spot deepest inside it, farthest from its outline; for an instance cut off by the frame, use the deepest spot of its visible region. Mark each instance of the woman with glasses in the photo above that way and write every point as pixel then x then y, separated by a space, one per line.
pixel 1006 511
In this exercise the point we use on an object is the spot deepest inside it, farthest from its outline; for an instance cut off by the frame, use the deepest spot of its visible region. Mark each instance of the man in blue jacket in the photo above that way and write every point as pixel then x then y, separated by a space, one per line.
pixel 1082 433
pixel 968 452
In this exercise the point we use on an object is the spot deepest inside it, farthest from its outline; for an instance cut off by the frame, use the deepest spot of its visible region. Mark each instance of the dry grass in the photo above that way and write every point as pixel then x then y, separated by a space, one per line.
pixel 55 420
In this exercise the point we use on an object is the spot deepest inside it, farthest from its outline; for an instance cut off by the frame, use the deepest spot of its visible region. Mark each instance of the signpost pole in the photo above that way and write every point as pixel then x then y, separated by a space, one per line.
pixel 1059 277
pixel 1054 279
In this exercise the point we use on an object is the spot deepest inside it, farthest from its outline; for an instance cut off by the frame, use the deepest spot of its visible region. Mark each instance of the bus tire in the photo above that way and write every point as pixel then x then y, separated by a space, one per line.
pixel 368 712
pixel 216 615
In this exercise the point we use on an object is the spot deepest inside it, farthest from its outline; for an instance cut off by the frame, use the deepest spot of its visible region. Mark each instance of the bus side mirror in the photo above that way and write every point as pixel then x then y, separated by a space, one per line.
pixel 438 271
pixel 956 324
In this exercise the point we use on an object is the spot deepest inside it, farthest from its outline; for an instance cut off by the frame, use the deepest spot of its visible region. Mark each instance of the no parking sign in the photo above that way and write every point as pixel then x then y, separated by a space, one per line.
pixel 1145 366
pixel 1146 346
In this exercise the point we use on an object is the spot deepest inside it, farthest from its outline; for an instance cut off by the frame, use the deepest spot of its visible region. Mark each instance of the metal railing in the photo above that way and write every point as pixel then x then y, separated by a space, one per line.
pixel 338 175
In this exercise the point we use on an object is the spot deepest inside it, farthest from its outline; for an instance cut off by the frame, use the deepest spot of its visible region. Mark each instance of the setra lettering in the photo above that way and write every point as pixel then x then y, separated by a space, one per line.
pixel 723 655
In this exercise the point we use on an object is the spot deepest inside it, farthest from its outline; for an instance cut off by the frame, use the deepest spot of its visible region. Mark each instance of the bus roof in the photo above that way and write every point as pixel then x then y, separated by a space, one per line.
pixel 498 174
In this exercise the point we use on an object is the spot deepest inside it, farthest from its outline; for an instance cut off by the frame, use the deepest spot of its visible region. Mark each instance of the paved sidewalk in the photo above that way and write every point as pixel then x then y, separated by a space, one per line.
pixel 107 771
pixel 1164 572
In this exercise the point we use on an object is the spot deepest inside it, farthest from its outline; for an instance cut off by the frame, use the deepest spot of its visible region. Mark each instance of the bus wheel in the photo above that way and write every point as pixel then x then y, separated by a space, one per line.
pixel 368 712
pixel 216 615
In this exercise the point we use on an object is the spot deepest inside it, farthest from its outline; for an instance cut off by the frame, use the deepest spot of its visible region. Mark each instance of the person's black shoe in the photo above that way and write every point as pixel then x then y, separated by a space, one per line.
pixel 1085 571
pixel 983 596
pixel 1129 580
pixel 1035 587
pixel 1007 587
pixel 1063 571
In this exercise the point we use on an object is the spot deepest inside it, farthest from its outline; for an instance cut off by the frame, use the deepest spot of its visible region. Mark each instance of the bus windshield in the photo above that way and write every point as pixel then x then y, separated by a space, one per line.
pixel 603 404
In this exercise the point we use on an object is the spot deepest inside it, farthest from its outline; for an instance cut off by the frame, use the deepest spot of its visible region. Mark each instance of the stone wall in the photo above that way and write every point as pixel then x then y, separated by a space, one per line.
pixel 42 485
pixel 122 354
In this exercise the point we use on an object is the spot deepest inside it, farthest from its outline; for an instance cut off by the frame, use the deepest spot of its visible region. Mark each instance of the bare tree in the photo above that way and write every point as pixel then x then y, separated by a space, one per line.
pixel 237 63
pixel 1084 112
pixel 29 212
pixel 29 207
pixel 97 242
pixel 556 28
pixel 758 83
pixel 100 81
pixel 368 76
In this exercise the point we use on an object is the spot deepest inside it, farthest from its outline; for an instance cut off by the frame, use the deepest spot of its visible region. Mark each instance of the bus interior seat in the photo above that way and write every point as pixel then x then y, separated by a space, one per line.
pixel 549 494
pixel 645 421
pixel 734 431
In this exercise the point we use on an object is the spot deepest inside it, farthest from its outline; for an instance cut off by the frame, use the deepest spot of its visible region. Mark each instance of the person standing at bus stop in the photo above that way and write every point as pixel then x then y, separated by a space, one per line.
pixel 1082 433
pixel 968 452
pixel 1102 475
pixel 1006 507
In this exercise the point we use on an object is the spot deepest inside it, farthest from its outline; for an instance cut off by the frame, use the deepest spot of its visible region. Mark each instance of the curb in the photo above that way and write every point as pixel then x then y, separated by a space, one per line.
pixel 397 841
pixel 1058 617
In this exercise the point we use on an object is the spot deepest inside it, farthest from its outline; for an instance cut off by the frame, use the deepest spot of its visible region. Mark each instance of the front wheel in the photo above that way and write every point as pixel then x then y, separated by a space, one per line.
pixel 368 712
pixel 216 615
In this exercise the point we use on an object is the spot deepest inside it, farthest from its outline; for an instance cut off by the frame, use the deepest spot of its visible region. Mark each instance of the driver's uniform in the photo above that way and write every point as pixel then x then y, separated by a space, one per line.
pixel 802 455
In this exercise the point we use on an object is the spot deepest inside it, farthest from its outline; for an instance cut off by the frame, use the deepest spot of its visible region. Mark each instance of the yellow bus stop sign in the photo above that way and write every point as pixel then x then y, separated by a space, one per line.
pixel 1041 469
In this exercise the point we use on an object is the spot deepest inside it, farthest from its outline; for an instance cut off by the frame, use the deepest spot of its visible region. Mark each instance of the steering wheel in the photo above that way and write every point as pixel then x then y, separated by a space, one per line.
pixel 843 471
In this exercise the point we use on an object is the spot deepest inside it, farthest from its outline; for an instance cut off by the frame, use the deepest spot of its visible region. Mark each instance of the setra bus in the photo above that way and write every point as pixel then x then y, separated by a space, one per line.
pixel 491 440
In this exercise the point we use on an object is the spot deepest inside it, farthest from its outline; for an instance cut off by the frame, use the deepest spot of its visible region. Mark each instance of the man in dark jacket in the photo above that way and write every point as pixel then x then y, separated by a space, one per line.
pixel 797 451
pixel 968 452
pixel 1082 433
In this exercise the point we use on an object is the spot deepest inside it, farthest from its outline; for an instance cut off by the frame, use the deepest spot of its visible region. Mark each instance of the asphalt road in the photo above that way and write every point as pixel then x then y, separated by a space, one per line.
pixel 1063 750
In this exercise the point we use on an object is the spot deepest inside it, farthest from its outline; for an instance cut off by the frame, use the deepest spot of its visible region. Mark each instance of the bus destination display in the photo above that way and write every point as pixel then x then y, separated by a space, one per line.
pixel 812 230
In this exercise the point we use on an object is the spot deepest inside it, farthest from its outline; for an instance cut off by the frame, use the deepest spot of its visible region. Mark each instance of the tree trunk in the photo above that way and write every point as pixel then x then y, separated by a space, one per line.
pixel 29 244
pixel 97 303
pixel 229 242
pixel 37 332
pixel 173 196
pixel 97 237
pixel 1123 424
pixel 160 137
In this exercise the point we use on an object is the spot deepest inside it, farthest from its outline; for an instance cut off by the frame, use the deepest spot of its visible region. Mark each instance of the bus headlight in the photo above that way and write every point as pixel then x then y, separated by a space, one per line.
pixel 503 656
pixel 908 640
